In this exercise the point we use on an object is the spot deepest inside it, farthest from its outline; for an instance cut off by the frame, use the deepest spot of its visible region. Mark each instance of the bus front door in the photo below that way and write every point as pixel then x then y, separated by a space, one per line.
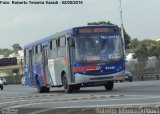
pixel 71 52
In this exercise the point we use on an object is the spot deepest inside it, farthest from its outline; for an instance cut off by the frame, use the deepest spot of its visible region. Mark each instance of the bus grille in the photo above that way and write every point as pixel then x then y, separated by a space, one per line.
pixel 102 78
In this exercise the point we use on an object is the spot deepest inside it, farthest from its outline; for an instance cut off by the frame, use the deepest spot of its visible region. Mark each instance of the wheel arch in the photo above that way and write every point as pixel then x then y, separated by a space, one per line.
pixel 62 74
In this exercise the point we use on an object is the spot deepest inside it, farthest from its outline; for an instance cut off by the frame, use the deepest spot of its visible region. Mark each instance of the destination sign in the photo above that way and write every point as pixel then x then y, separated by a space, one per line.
pixel 96 30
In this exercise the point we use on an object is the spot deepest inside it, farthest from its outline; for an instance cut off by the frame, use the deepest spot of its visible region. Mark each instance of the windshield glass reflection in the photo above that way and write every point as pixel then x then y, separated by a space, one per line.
pixel 98 48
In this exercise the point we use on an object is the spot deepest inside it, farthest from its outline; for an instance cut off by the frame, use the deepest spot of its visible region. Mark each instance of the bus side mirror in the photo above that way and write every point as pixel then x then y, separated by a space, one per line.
pixel 71 42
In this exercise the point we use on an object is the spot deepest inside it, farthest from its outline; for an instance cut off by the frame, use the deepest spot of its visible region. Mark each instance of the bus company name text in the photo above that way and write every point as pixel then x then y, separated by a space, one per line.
pixel 40 2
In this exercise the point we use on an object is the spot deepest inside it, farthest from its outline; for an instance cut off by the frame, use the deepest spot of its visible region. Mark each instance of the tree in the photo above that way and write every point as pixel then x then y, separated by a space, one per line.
pixel 142 53
pixel 134 43
pixel 127 39
pixel 16 48
pixel 5 52
pixel 126 35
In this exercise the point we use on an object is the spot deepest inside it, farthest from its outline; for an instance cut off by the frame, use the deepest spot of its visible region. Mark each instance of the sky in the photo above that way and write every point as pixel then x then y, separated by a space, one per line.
pixel 22 24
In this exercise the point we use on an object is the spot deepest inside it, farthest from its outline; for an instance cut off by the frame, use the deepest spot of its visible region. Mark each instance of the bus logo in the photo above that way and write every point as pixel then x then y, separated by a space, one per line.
pixel 98 67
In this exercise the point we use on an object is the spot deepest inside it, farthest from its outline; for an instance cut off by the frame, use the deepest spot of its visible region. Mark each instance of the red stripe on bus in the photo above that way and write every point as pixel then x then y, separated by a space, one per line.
pixel 84 68
pixel 43 75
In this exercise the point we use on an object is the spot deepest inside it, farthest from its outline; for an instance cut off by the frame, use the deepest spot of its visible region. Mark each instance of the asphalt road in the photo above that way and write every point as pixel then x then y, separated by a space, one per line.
pixel 20 99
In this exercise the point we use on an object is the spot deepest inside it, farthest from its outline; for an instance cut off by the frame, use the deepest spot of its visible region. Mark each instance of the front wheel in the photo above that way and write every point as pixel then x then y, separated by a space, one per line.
pixel 109 85
pixel 76 87
pixel 67 87
pixel 2 88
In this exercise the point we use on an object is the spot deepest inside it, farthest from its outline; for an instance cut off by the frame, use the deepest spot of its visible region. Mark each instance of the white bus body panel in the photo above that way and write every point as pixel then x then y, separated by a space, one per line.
pixel 55 70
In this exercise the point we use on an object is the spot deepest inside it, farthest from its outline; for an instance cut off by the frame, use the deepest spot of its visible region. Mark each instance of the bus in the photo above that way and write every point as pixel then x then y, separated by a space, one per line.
pixel 79 57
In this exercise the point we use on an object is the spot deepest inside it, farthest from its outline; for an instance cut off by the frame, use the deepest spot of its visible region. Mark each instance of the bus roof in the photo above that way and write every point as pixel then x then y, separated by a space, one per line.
pixel 69 31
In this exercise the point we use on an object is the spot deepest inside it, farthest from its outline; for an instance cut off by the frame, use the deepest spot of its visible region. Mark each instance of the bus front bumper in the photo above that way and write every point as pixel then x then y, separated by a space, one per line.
pixel 81 78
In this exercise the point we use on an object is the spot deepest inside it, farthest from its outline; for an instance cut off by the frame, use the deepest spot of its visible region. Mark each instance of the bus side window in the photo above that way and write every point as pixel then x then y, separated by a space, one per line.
pixel 39 48
pixel 53 51
pixel 62 42
pixel 39 53
pixel 54 45
pixel 33 51
pixel 27 57
pixel 61 46
pixel 36 49
pixel 58 42
pixel 51 45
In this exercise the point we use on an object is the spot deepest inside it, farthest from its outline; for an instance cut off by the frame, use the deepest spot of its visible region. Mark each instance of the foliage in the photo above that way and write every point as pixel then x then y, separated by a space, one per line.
pixel 127 39
pixel 134 43
pixel 145 49
pixel 16 48
pixel 142 52
pixel 5 52
pixel 126 35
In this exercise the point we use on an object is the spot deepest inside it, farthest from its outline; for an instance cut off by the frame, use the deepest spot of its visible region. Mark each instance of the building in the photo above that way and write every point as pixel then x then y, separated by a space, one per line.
pixel 1 56
pixel 19 56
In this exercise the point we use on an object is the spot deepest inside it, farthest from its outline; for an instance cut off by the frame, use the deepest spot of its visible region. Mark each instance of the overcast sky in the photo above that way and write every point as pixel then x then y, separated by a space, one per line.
pixel 26 23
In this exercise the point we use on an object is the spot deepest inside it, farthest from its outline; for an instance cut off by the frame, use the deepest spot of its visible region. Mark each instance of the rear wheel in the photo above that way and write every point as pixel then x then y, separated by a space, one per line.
pixel 109 85
pixel 67 88
pixel 39 88
pixel 1 87
pixel 47 89
pixel 121 80
pixel 130 80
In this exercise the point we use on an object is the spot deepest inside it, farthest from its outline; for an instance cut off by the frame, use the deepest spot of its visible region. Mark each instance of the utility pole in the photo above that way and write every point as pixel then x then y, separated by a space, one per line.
pixel 122 28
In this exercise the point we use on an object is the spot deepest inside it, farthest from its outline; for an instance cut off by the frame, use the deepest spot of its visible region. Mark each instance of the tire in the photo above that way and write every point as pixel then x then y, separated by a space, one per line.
pixel 39 88
pixel 121 81
pixel 76 87
pixel 109 86
pixel 130 79
pixel 47 89
pixel 1 87
pixel 67 88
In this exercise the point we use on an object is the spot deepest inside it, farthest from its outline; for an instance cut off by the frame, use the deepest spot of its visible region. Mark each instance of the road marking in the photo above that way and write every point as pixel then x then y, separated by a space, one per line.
pixel 25 98
pixel 72 109
pixel 77 101
pixel 113 105
pixel 40 111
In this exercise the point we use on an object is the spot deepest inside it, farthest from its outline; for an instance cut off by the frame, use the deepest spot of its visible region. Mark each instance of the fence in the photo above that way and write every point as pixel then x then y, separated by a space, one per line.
pixel 148 70
pixel 14 79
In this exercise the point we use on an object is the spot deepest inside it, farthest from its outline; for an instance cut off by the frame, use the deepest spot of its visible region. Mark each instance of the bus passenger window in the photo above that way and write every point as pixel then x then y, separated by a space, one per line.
pixel 36 49
pixel 62 42
pixel 54 46
pixel 50 44
pixel 58 42
pixel 39 48
pixel 33 51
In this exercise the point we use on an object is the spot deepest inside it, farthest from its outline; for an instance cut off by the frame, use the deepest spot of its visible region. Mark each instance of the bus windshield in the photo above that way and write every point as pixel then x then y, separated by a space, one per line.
pixel 100 48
